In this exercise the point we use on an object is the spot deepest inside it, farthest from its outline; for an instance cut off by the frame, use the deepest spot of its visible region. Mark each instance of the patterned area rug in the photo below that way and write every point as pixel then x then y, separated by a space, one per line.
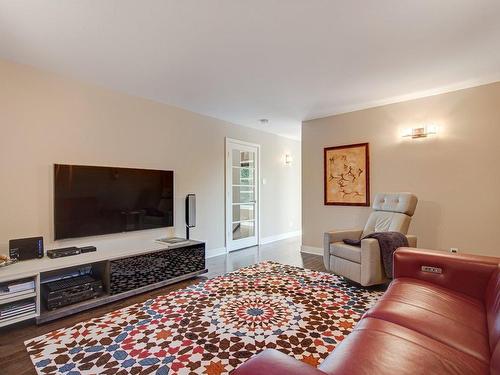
pixel 212 327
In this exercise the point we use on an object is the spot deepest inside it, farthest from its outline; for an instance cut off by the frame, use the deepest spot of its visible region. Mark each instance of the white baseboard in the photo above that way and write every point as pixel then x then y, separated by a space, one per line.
pixel 210 253
pixel 311 250
pixel 278 237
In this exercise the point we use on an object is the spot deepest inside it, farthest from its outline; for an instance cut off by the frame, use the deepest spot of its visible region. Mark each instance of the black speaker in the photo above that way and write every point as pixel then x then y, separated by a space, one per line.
pixel 190 213
pixel 26 248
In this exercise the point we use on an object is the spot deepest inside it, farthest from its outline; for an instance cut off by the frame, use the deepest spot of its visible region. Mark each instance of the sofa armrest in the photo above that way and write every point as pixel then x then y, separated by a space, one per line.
pixel 273 362
pixel 468 274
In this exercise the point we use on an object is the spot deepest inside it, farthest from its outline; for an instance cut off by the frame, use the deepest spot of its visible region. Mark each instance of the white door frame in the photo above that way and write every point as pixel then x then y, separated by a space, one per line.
pixel 228 190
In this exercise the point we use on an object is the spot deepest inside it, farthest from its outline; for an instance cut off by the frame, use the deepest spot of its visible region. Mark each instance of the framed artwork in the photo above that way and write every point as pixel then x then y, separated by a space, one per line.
pixel 347 175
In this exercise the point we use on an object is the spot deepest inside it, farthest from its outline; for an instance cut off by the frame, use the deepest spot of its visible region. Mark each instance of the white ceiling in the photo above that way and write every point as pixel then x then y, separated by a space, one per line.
pixel 242 60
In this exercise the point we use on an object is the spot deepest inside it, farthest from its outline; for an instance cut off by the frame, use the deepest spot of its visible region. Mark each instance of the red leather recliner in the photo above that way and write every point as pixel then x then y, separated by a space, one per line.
pixel 426 323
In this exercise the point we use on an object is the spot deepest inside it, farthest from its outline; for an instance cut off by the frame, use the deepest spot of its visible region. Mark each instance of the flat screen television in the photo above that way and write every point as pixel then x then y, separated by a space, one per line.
pixel 91 201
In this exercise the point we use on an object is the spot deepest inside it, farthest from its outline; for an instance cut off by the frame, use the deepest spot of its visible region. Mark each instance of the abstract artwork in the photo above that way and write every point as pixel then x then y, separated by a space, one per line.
pixel 347 175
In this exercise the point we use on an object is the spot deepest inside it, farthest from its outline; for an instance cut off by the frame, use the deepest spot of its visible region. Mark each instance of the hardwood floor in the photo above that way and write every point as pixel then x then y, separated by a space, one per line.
pixel 15 360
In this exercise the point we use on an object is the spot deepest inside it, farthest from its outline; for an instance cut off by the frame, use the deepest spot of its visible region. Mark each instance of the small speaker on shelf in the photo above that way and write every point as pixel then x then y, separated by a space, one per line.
pixel 26 248
pixel 190 213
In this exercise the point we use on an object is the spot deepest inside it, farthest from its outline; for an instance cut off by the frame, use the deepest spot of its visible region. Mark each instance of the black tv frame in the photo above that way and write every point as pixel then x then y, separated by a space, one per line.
pixel 58 236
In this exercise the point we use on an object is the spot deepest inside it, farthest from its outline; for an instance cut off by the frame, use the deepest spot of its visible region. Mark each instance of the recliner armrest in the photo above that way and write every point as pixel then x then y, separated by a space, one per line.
pixel 340 235
pixel 468 274
pixel 273 362
pixel 337 236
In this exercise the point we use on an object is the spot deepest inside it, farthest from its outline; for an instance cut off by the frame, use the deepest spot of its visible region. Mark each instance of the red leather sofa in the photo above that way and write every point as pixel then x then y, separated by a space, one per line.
pixel 426 323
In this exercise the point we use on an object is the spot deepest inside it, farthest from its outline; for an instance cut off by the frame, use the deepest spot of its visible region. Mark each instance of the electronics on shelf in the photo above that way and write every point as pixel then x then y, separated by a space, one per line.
pixel 63 252
pixel 88 249
pixel 59 288
pixel 32 248
pixel 26 248
pixel 68 275
pixel 71 290
pixel 69 251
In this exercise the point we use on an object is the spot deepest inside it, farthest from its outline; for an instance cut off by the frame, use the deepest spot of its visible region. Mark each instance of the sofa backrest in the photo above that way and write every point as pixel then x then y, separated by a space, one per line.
pixel 392 212
pixel 492 300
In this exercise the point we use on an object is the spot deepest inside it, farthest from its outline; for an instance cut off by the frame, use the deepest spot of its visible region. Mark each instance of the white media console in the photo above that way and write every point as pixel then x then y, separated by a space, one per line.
pixel 126 266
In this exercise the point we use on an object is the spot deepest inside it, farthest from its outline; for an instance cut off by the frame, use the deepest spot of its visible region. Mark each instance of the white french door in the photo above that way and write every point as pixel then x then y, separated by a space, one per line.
pixel 242 194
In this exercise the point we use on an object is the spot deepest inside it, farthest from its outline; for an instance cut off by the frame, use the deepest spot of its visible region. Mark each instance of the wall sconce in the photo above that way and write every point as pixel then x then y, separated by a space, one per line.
pixel 420 132
pixel 288 159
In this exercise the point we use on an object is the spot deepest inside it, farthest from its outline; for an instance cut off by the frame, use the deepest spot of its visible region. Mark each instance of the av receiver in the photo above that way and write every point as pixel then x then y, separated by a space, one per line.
pixel 68 291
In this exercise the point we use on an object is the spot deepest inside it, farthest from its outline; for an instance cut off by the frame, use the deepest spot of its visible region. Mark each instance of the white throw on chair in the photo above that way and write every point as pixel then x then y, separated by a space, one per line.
pixel 392 212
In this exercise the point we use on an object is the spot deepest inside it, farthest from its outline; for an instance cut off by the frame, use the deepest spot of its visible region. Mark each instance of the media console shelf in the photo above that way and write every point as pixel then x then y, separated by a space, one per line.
pixel 18 300
pixel 123 271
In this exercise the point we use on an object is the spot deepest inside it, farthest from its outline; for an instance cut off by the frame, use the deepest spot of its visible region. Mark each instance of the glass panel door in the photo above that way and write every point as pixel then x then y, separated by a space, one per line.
pixel 242 203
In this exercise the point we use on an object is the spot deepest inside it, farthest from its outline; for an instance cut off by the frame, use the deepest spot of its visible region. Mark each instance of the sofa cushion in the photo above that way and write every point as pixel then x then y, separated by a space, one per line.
pixel 380 347
pixel 344 251
pixel 451 318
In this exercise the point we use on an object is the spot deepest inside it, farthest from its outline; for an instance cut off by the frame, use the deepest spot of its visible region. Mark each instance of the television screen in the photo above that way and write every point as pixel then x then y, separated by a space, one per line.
pixel 101 200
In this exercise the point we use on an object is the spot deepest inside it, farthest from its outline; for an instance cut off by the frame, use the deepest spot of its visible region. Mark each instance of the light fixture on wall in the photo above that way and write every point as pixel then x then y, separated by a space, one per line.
pixel 419 132
pixel 288 159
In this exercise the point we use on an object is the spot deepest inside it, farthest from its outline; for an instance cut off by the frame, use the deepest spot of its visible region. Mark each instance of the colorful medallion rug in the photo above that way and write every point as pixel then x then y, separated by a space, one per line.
pixel 212 327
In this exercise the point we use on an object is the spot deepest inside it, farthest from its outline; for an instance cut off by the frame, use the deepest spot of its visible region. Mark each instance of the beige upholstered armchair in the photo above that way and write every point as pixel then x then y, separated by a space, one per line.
pixel 391 212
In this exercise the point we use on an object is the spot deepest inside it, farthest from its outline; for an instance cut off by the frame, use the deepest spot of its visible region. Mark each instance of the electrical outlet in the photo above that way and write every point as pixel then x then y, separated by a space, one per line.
pixel 454 250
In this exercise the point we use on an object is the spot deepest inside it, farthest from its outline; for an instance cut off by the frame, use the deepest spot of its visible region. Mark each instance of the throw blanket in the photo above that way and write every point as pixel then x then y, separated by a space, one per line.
pixel 388 243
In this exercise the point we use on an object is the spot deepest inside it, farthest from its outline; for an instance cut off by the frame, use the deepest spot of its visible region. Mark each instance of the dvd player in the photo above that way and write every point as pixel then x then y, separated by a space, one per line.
pixel 63 252
pixel 68 251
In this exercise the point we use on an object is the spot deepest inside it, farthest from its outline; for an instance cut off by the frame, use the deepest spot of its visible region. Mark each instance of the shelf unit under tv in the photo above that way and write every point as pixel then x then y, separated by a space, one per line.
pixel 28 296
pixel 107 256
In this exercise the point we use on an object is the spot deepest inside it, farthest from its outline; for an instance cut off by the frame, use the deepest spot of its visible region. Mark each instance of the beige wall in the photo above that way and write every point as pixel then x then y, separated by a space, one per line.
pixel 46 119
pixel 455 175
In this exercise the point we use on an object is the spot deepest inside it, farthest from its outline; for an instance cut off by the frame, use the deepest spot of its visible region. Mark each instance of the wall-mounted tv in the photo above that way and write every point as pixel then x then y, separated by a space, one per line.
pixel 101 200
